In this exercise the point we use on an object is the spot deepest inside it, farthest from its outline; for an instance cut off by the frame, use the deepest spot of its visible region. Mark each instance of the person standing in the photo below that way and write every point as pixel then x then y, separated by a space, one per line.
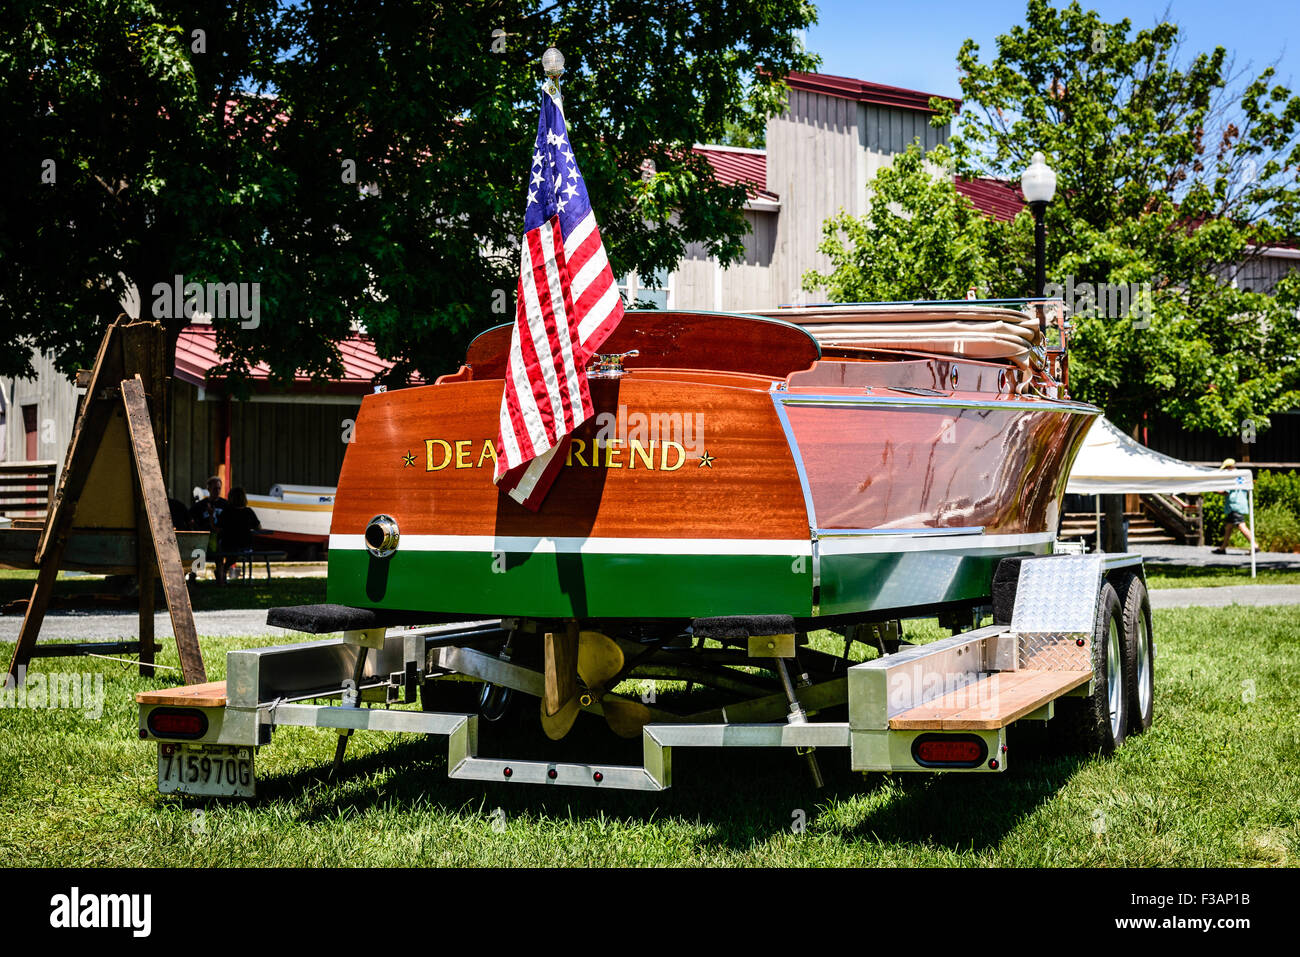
pixel 1237 514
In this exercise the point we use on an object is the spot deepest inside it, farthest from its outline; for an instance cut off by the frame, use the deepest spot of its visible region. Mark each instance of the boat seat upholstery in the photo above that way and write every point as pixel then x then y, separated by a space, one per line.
pixel 743 626
pixel 325 619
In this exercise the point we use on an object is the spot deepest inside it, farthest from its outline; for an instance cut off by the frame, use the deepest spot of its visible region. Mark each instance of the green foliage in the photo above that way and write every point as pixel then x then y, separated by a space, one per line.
pixel 1168 174
pixel 1279 488
pixel 1277 529
pixel 920 239
pixel 734 134
pixel 1213 510
pixel 223 157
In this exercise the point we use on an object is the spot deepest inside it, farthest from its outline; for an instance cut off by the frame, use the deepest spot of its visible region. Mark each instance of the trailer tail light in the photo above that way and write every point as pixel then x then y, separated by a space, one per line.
pixel 186 724
pixel 949 750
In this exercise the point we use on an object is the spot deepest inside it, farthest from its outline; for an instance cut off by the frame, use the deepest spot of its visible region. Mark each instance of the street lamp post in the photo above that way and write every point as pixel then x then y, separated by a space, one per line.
pixel 1038 183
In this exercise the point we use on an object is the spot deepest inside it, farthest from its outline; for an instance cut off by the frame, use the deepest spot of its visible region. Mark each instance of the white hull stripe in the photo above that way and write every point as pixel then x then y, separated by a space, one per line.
pixel 588 546
pixel 878 544
pixel 855 545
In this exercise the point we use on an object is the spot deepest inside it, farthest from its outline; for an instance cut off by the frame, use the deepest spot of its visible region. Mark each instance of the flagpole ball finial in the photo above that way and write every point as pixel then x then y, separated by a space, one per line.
pixel 553 63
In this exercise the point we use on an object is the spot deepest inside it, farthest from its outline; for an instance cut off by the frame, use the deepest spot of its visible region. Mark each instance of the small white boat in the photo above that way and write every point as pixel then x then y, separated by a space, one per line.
pixel 295 513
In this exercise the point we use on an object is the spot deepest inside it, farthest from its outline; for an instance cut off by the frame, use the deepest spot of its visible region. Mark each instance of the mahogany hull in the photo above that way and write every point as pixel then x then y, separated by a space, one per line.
pixel 692 497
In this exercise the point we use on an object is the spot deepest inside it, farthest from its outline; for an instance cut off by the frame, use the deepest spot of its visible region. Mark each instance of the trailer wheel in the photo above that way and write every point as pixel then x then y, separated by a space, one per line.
pixel 1139 651
pixel 1099 723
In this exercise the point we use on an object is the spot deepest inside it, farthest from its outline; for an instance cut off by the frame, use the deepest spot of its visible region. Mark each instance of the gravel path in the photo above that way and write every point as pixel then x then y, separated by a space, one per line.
pixel 1196 556
pixel 109 626
pixel 1226 595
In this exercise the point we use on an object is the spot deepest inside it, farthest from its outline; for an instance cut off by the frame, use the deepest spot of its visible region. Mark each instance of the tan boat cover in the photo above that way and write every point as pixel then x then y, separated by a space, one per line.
pixel 970 332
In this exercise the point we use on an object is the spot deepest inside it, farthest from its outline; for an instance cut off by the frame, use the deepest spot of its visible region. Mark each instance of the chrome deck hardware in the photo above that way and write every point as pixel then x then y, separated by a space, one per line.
pixel 609 365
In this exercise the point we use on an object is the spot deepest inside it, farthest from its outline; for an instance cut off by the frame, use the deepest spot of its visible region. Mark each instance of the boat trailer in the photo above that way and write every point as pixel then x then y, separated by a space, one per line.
pixel 1071 633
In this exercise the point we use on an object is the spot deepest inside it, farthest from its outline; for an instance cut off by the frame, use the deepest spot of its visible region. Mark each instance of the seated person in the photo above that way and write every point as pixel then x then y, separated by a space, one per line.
pixel 235 527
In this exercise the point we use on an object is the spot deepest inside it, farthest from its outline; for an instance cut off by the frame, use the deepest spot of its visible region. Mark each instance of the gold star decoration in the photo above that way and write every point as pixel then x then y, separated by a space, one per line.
pixel 408 460
pixel 706 460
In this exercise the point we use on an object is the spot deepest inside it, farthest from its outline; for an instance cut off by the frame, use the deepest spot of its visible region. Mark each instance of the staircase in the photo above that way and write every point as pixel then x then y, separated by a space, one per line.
pixel 1141 529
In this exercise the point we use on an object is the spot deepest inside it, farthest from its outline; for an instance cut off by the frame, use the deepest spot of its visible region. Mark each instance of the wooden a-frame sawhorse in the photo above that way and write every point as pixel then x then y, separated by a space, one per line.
pixel 112 481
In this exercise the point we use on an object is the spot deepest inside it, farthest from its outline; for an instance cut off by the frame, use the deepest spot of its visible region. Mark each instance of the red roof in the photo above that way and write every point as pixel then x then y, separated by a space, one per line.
pixel 864 92
pixel 196 357
pixel 993 197
pixel 734 164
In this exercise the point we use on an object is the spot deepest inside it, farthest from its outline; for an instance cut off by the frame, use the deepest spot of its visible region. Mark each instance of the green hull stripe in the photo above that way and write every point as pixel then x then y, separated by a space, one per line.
pixel 882 580
pixel 549 585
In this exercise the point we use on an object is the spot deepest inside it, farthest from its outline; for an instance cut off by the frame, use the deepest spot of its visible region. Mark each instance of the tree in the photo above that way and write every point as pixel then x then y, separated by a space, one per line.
pixel 1171 172
pixel 920 239
pixel 353 163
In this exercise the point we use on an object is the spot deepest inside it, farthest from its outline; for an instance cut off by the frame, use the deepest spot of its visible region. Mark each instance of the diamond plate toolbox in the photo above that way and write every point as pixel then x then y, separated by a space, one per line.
pixel 1057 594
pixel 1056 604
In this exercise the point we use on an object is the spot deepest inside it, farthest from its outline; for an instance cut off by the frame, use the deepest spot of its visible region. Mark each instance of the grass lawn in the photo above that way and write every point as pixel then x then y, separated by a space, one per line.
pixel 1216 782
pixel 1215 576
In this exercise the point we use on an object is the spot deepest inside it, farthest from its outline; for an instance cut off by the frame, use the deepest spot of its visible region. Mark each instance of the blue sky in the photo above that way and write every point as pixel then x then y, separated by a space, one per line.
pixel 914 44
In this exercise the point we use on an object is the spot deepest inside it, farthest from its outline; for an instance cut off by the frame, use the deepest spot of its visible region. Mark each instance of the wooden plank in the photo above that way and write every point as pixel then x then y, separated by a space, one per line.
pixel 82 452
pixel 95 414
pixel 154 496
pixel 37 605
pixel 992 702
pixel 146 575
pixel 561 668
pixel 1035 690
pixel 209 694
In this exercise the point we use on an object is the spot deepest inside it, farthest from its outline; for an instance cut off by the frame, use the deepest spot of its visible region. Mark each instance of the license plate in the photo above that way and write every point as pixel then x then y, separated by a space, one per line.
pixel 218 770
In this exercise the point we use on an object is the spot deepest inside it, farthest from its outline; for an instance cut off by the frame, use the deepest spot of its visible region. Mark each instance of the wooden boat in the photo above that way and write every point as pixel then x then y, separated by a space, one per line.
pixel 295 513
pixel 745 481
pixel 739 465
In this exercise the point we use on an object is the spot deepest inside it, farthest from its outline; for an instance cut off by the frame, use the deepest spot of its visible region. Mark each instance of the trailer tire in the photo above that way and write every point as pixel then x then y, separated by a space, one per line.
pixel 1099 722
pixel 1139 651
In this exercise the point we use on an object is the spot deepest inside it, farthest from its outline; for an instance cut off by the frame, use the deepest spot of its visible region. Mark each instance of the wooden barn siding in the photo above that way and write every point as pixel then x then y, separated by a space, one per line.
pixel 812 165
pixel 821 154
pixel 884 132
pixel 298 443
pixel 55 398
pixel 295 443
pixel 1263 273
pixel 1259 273
pixel 1281 443
pixel 190 455
pixel 745 285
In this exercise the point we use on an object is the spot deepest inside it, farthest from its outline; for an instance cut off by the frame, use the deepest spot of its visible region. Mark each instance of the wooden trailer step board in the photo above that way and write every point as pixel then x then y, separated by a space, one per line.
pixel 210 694
pixel 991 702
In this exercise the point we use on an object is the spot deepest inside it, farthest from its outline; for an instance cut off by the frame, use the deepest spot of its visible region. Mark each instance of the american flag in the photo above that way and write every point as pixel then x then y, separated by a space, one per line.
pixel 568 304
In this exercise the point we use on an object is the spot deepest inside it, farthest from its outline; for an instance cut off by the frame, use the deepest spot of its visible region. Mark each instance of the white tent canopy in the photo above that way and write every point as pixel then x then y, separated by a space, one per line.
pixel 1110 463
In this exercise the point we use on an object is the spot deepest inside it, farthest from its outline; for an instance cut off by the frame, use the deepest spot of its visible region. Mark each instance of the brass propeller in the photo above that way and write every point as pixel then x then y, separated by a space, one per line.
pixel 599 661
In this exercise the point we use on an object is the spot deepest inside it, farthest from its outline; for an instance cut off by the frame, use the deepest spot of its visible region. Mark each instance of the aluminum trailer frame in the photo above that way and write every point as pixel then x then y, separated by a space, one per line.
pixel 891 700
